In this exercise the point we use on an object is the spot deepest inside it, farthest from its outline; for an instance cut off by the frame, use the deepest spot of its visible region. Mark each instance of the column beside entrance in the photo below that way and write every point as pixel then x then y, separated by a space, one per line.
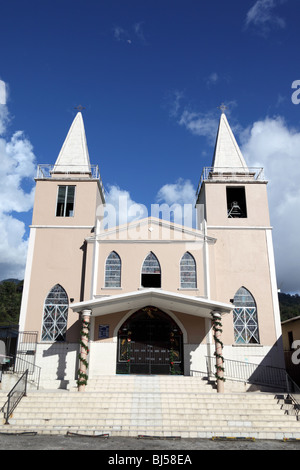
pixel 84 350
pixel 217 327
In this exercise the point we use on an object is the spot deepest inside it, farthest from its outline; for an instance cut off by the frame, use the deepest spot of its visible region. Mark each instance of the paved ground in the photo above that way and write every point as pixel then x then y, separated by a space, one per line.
pixel 114 444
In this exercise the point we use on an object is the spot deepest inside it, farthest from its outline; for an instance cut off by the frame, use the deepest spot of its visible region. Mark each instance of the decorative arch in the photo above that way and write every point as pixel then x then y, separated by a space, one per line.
pixel 151 271
pixel 168 312
pixel 113 270
pixel 245 319
pixel 55 315
pixel 149 342
pixel 188 272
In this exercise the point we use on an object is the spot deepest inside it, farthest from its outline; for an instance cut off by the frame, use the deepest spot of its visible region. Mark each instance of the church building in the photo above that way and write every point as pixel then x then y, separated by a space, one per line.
pixel 150 296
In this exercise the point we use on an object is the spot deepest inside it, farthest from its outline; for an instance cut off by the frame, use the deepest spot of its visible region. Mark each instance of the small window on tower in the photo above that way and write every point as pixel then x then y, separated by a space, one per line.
pixel 236 202
pixel 65 201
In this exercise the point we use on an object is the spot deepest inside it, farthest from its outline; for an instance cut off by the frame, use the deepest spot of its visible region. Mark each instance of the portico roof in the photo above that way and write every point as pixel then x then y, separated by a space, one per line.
pixel 191 305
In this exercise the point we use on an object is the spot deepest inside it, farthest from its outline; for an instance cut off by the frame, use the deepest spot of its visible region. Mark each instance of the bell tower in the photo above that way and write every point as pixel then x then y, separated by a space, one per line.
pixel 67 197
pixel 232 206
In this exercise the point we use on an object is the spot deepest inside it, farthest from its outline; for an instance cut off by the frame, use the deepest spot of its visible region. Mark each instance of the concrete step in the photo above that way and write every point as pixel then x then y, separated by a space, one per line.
pixel 3 398
pixel 155 406
pixel 162 396
pixel 149 413
pixel 187 401
pixel 158 431
pixel 143 424
pixel 150 408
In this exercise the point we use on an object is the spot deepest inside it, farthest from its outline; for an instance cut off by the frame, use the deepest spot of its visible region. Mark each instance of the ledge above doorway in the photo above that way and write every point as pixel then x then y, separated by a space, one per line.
pixel 188 304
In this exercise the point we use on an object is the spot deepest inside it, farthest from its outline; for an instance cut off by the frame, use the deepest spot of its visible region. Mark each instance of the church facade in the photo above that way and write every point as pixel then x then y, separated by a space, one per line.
pixel 150 296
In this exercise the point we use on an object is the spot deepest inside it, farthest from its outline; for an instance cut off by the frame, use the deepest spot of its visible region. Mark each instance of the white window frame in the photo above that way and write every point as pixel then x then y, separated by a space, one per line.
pixel 67 186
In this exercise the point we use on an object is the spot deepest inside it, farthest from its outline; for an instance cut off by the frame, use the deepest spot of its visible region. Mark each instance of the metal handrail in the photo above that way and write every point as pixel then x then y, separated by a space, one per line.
pixel 250 372
pixel 223 173
pixel 293 392
pixel 47 171
pixel 257 374
pixel 14 396
pixel 34 371
pixel 18 365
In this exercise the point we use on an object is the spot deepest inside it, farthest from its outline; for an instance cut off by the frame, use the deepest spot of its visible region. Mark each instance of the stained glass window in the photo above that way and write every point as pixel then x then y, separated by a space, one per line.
pixel 245 318
pixel 151 265
pixel 113 270
pixel 55 315
pixel 188 272
pixel 151 274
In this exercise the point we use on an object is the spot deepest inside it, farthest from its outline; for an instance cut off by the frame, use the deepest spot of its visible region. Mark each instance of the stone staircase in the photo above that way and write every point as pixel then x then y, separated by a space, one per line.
pixel 156 406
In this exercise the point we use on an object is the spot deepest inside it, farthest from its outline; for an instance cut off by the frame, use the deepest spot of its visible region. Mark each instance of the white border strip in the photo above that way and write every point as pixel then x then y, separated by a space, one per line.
pixel 27 279
pixel 62 226
pixel 238 227
pixel 273 281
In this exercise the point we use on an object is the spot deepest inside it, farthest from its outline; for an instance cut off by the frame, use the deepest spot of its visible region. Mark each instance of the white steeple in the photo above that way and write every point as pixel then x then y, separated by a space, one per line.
pixel 227 153
pixel 74 156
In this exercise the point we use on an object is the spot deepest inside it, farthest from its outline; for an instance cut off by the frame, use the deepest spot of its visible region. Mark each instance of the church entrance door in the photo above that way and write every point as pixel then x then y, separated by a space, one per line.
pixel 149 342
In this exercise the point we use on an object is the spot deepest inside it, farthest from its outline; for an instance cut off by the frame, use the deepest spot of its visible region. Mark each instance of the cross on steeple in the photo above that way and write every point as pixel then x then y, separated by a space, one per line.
pixel 222 107
pixel 79 108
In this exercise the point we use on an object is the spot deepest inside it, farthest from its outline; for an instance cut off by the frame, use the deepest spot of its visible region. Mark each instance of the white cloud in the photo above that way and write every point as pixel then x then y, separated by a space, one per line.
pixel 261 15
pixel 177 203
pixel 13 248
pixel 203 124
pixel 124 35
pixel 173 202
pixel 120 34
pixel 181 192
pixel 173 102
pixel 199 123
pixel 138 29
pixel 4 118
pixel 120 208
pixel 2 93
pixel 270 143
pixel 17 167
pixel 212 79
pixel 273 145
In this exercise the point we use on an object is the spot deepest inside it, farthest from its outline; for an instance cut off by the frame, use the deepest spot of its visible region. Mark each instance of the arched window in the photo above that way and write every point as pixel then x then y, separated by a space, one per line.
pixel 245 318
pixel 188 279
pixel 113 270
pixel 151 274
pixel 55 315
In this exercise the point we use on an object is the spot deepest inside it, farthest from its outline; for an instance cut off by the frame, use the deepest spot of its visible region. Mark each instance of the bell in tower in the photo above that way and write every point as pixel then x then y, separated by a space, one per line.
pixel 235 210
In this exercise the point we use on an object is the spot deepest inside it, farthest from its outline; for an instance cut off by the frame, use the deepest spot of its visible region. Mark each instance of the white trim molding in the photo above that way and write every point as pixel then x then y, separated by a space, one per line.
pixel 27 279
pixel 238 227
pixel 273 281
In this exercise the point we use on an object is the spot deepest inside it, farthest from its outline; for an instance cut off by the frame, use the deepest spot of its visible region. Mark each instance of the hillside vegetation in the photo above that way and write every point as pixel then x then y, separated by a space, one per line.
pixel 289 306
pixel 10 301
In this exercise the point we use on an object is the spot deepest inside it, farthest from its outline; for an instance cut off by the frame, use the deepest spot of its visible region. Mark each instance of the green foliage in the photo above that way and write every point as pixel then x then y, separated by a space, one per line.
pixel 289 306
pixel 10 301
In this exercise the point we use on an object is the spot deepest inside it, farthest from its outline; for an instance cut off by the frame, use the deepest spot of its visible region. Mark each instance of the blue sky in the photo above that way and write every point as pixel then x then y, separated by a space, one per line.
pixel 151 75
